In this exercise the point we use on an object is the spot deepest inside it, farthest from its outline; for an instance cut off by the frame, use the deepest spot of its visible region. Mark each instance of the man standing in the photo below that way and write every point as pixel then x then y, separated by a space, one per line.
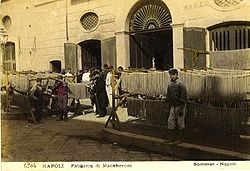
pixel 105 71
pixel 101 94
pixel 177 97
pixel 36 94
pixel 109 85
pixel 62 93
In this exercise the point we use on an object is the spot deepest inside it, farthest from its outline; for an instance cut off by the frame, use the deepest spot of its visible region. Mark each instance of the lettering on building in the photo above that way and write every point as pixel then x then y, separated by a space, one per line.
pixel 107 20
pixel 196 4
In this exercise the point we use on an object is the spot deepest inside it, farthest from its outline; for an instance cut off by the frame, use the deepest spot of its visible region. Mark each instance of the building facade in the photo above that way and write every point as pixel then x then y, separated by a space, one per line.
pixel 55 34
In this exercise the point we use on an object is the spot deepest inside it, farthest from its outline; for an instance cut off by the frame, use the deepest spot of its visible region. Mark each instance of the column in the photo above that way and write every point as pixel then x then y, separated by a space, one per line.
pixel 178 54
pixel 122 50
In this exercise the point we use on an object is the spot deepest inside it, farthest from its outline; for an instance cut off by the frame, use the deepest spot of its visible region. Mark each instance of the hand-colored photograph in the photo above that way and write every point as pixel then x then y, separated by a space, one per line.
pixel 124 81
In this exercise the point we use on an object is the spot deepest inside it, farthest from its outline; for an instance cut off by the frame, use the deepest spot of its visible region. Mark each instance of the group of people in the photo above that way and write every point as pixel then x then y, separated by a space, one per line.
pixel 60 90
pixel 176 96
pixel 99 83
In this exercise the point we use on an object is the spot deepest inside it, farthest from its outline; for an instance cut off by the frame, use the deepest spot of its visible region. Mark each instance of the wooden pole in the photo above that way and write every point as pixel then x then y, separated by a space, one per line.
pixel 113 96
pixel 113 89
pixel 113 116
pixel 8 105
pixel 31 114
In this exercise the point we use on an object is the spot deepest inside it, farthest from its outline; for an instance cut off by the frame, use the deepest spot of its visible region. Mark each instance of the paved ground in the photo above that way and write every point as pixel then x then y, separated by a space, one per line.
pixel 79 139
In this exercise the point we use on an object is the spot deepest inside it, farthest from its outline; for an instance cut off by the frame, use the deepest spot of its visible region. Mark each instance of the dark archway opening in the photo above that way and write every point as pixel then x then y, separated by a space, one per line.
pixel 146 46
pixel 91 53
pixel 56 66
pixel 151 35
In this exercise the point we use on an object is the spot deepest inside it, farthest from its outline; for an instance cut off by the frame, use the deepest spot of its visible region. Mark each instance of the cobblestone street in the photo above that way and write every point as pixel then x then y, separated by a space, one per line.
pixel 79 139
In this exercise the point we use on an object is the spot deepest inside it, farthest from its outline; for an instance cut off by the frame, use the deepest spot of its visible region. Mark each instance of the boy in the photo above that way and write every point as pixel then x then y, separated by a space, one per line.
pixel 177 97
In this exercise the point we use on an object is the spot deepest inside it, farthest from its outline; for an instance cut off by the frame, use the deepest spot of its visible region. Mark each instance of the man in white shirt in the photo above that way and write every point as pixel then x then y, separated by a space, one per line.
pixel 108 84
pixel 85 76
pixel 68 72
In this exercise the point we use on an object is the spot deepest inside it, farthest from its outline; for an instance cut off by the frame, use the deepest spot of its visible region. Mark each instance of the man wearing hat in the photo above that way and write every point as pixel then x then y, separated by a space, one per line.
pixel 100 94
pixel 36 95
pixel 177 97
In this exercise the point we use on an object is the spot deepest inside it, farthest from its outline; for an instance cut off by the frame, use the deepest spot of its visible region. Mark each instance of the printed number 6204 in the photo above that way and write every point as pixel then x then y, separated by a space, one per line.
pixel 29 165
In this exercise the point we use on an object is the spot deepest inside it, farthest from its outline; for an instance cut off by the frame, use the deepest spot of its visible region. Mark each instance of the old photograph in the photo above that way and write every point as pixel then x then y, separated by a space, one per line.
pixel 121 81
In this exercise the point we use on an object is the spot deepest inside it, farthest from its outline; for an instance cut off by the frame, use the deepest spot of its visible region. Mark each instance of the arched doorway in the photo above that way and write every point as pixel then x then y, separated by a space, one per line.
pixel 55 66
pixel 150 35
pixel 91 53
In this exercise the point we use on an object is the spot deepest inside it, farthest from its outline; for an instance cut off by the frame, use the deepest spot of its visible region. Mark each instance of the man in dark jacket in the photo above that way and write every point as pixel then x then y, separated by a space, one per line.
pixel 177 97
pixel 105 71
pixel 101 94
pixel 36 95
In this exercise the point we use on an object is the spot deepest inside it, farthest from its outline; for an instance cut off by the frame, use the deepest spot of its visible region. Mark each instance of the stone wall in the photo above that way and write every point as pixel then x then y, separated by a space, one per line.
pixel 40 28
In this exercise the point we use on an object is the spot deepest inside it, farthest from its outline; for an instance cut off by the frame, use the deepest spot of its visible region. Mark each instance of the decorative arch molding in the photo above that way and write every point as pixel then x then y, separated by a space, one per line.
pixel 90 36
pixel 150 33
pixel 149 15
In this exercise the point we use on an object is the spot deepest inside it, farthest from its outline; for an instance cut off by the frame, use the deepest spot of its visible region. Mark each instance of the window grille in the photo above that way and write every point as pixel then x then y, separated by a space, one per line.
pixel 230 38
pixel 89 21
pixel 150 16
pixel 227 3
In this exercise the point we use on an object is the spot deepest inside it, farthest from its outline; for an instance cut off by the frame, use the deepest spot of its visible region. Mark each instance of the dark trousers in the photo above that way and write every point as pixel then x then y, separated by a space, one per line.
pixel 102 111
pixel 38 110
pixel 62 101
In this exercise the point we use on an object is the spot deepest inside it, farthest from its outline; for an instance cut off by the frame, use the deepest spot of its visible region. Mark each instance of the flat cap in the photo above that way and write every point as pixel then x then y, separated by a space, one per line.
pixel 173 71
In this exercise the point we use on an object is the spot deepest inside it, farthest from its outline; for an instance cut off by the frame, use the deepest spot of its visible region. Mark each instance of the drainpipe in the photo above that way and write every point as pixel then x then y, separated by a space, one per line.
pixel 66 17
